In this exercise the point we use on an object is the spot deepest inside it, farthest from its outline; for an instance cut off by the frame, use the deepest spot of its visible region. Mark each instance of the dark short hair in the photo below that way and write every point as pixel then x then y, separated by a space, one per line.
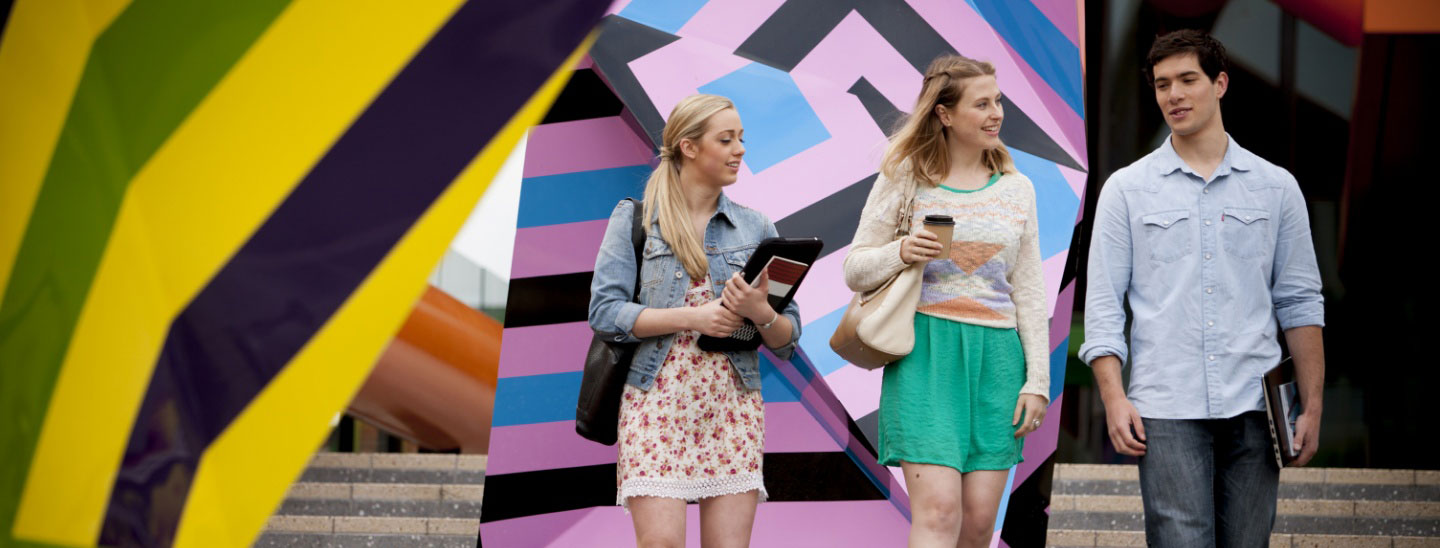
pixel 1209 51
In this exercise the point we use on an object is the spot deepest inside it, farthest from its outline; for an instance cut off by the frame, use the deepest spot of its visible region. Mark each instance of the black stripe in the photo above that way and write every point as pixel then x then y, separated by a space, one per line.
pixel 324 240
pixel 585 97
pixel 792 31
pixel 886 116
pixel 622 41
pixel 869 425
pixel 5 6
pixel 1072 261
pixel 789 477
pixel 1026 518
pixel 544 300
pixel 833 218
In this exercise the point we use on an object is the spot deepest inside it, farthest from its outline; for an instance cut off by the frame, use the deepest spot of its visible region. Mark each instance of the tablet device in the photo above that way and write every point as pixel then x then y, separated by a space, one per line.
pixel 788 261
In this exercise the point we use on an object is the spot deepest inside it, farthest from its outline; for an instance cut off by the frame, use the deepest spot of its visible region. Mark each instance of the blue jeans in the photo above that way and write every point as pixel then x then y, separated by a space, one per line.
pixel 1209 482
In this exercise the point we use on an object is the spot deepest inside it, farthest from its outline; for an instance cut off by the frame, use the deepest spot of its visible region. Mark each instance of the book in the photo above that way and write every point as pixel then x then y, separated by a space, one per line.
pixel 1282 410
pixel 787 260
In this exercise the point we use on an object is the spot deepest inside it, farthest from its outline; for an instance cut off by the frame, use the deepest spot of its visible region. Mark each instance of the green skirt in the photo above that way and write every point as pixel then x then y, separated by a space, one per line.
pixel 950 402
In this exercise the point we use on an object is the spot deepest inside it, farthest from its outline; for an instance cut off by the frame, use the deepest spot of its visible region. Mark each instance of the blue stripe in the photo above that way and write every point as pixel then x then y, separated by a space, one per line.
pixel 580 196
pixel 815 339
pixel 666 15
pixel 536 398
pixel 1005 499
pixel 1043 46
pixel 1057 366
pixel 773 386
pixel 1055 203
pixel 779 122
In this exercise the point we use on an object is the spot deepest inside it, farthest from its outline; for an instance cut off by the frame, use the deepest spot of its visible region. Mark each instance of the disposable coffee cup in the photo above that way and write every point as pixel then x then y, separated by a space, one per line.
pixel 944 228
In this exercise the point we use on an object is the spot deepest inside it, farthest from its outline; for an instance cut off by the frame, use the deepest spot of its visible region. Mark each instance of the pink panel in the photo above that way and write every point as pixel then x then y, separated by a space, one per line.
pixel 583 145
pixel 557 249
pixel 542 349
pixel 1040 444
pixel 857 389
pixel 1062 14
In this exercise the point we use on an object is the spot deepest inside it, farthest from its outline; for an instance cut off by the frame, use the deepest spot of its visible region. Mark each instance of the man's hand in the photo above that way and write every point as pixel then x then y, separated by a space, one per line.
pixel 1307 437
pixel 1120 417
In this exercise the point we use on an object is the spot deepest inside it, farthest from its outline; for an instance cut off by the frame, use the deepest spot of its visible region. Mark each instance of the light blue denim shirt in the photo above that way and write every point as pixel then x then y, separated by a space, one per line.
pixel 733 233
pixel 1210 267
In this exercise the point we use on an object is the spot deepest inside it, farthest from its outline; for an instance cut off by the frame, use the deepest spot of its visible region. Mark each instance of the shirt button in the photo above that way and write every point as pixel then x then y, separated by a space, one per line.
pixel 1207 256
pixel 1209 290
pixel 1212 357
pixel 1207 222
pixel 1206 191
pixel 1210 323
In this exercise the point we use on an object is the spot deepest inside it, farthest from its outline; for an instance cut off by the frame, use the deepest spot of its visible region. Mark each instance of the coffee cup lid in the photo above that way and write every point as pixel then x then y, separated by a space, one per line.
pixel 939 220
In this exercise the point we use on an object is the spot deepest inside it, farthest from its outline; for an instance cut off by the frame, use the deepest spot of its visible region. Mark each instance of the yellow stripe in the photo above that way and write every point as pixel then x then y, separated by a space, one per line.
pixel 189 208
pixel 45 48
pixel 234 492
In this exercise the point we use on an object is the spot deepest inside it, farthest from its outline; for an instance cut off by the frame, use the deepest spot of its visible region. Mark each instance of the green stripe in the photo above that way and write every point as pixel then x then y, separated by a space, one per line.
pixel 145 74
pixel 993 178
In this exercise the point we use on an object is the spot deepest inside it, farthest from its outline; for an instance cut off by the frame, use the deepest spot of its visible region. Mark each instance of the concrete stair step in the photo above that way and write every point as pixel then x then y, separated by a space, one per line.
pixel 1100 505
pixel 1073 538
pixel 395 468
pixel 346 540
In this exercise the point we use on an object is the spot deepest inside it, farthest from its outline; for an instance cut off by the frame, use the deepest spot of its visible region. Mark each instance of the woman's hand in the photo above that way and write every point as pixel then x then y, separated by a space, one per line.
pixel 920 246
pixel 714 319
pixel 750 301
pixel 1029 414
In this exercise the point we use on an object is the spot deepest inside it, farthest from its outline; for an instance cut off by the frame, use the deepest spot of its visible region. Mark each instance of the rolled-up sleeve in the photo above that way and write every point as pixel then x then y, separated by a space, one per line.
pixel 1295 277
pixel 1108 276
pixel 792 311
pixel 612 287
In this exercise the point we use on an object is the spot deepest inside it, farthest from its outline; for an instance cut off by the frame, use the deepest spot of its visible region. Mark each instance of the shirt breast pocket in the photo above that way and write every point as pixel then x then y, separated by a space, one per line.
pixel 659 262
pixel 1168 234
pixel 1246 232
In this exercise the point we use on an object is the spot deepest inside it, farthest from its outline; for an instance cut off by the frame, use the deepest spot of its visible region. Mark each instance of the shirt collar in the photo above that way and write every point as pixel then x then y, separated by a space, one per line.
pixel 1236 159
pixel 725 209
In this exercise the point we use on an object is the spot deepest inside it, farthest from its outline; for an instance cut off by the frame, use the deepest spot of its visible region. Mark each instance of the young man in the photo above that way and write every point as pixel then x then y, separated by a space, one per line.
pixel 1211 244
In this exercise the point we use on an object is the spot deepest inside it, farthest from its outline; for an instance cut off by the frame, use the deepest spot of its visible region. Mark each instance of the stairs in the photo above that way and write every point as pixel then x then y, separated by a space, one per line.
pixel 382 500
pixel 1099 505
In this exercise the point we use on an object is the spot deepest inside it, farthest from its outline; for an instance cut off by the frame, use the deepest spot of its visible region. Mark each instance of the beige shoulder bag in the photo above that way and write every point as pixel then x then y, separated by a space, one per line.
pixel 879 325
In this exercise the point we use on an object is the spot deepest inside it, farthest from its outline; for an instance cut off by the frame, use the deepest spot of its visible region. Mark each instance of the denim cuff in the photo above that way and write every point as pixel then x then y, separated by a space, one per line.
pixel 788 350
pixel 1301 315
pixel 1093 349
pixel 625 322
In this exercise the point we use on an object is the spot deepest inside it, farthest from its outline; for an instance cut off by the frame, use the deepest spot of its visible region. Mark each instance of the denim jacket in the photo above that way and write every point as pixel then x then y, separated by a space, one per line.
pixel 731 236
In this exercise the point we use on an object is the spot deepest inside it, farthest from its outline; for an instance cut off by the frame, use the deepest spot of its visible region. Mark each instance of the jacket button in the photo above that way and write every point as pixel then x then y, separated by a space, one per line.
pixel 677 274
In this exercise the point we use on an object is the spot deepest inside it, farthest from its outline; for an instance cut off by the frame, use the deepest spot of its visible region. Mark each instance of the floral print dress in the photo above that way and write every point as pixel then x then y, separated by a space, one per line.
pixel 697 432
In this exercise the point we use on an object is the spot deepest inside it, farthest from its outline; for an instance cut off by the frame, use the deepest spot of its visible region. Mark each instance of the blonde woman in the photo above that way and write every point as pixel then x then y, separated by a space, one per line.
pixel 953 413
pixel 692 425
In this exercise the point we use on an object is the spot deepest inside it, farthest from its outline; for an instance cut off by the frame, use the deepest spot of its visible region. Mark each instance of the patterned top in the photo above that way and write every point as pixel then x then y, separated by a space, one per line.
pixel 993 277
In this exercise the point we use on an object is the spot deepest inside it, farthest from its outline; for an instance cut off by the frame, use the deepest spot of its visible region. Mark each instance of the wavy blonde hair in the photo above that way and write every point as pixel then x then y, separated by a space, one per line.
pixel 921 137
pixel 664 200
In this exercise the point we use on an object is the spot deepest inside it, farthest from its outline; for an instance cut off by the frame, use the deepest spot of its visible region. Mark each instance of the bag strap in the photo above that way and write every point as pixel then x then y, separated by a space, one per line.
pixel 903 219
pixel 637 239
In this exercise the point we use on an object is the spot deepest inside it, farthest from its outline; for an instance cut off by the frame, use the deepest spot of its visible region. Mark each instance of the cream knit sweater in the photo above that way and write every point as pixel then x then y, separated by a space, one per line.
pixel 992 277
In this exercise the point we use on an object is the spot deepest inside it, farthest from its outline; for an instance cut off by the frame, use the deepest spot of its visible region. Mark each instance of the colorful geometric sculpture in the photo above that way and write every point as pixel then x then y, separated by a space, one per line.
pixel 215 217
pixel 818 84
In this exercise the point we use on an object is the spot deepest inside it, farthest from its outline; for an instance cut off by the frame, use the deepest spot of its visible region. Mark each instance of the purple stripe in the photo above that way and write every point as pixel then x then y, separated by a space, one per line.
pixel 326 238
pixel 1064 310
pixel 543 446
pixel 1040 444
pixel 584 145
pixel 789 428
pixel 557 249
pixel 845 523
pixel 544 349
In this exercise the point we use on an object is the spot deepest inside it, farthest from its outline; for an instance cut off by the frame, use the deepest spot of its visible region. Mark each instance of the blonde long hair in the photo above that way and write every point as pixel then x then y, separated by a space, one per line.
pixel 921 137
pixel 664 199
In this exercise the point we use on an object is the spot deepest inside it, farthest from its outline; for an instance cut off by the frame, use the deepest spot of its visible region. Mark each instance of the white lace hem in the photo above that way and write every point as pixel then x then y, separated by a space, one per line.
pixel 690 490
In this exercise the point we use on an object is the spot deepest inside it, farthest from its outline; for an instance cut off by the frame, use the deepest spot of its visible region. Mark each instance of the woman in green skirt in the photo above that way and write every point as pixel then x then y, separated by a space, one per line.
pixel 954 413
